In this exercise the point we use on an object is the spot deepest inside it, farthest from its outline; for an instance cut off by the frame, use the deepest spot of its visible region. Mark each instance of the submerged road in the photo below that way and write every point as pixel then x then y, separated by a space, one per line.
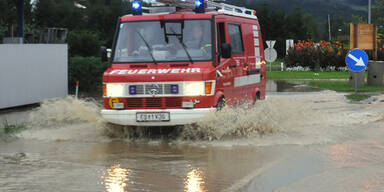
pixel 291 142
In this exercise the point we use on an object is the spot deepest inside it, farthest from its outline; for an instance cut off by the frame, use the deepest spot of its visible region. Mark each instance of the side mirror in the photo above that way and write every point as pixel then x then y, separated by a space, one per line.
pixel 226 50
pixel 103 54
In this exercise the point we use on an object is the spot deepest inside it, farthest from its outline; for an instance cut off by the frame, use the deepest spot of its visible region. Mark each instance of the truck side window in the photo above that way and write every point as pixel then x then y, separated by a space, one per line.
pixel 220 35
pixel 236 39
pixel 220 39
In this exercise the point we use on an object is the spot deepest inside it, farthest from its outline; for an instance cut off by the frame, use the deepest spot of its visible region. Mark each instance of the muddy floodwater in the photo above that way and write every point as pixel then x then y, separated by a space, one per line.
pixel 290 142
pixel 278 86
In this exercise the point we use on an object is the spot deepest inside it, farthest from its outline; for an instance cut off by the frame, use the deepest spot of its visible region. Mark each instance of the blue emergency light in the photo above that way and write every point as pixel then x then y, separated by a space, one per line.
pixel 137 8
pixel 199 6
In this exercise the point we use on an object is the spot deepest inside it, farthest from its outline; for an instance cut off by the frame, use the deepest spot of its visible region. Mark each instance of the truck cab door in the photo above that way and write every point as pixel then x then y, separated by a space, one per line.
pixel 224 65
pixel 238 60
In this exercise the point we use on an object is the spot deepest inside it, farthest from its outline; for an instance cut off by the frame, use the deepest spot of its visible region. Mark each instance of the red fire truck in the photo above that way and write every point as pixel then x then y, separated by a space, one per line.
pixel 172 68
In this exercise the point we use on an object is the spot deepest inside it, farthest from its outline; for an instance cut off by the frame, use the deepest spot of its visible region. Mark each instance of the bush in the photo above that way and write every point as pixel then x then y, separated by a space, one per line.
pixel 316 56
pixel 84 43
pixel 88 71
pixel 2 33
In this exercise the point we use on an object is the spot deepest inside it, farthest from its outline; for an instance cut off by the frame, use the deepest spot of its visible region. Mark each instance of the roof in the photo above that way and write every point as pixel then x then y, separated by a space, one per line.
pixel 181 14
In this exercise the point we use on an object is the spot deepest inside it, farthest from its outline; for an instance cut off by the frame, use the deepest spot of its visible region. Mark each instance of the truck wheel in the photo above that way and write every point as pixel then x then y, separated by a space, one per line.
pixel 114 130
pixel 257 97
pixel 220 104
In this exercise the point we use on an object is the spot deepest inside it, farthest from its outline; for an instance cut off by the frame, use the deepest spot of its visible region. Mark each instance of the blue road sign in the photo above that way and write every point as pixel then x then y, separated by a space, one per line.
pixel 356 60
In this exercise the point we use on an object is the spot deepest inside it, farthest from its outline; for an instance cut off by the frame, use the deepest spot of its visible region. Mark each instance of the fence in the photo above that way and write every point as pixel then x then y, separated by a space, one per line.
pixel 31 73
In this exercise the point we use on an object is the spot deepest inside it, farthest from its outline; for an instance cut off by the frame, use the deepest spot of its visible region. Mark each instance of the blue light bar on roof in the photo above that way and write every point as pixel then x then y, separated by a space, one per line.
pixel 137 8
pixel 199 6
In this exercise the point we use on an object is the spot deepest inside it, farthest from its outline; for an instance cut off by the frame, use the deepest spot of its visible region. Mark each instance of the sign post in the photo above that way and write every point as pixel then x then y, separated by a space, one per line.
pixel 356 60
pixel 355 74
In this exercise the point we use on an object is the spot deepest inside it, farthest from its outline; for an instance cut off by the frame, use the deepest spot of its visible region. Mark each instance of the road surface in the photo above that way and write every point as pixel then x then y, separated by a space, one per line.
pixel 289 142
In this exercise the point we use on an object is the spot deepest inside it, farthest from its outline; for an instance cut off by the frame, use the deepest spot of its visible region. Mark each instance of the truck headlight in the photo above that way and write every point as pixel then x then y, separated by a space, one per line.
pixel 194 88
pixel 114 90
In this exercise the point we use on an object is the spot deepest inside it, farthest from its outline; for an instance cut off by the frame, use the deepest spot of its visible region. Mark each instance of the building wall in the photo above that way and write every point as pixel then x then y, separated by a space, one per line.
pixel 31 73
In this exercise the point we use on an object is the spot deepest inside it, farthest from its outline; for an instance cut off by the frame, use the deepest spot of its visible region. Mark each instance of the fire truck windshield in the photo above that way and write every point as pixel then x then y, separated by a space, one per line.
pixel 164 41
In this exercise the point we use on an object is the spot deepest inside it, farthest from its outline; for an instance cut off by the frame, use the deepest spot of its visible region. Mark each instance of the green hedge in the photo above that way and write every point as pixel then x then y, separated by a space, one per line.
pixel 88 71
pixel 84 43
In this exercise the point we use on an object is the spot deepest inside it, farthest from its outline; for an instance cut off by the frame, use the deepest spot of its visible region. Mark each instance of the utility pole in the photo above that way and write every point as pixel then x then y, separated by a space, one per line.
pixel 20 15
pixel 329 27
pixel 369 11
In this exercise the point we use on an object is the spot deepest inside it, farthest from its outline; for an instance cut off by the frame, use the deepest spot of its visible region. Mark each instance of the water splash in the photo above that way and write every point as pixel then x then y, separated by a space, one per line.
pixel 67 110
pixel 296 119
pixel 266 117
pixel 66 119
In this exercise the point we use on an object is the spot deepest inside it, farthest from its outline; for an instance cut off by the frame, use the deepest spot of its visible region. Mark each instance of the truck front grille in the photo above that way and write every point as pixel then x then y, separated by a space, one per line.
pixel 154 102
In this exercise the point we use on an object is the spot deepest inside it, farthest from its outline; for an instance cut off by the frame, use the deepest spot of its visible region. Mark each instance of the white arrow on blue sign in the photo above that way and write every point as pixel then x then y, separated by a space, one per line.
pixel 356 60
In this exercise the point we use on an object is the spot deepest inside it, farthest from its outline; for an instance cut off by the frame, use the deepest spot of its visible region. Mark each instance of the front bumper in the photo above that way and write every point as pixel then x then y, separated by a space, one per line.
pixel 177 116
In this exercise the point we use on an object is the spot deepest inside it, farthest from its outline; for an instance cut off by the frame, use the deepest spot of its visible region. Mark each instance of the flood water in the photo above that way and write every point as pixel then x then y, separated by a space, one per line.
pixel 285 86
pixel 298 142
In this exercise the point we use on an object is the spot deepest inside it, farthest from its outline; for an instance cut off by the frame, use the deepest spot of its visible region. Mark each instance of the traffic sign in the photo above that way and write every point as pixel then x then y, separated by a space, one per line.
pixel 356 60
pixel 270 52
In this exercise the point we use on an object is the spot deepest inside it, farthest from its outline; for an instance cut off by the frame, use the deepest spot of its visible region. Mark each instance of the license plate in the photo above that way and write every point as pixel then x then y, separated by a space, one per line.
pixel 152 117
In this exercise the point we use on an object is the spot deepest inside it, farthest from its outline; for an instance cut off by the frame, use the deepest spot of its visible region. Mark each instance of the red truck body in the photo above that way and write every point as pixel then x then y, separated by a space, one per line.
pixel 166 92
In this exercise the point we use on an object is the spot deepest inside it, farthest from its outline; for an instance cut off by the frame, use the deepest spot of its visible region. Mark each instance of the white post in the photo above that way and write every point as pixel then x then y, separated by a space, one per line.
pixel 288 44
pixel 77 89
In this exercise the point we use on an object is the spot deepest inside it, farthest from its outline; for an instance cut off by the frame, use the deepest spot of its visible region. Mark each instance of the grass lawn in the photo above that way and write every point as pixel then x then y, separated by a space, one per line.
pixel 275 66
pixel 357 97
pixel 306 75
pixel 8 130
pixel 342 86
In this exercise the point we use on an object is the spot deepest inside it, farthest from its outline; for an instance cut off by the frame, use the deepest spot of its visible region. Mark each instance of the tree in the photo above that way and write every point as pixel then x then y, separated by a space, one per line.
pixel 103 17
pixel 57 13
pixel 8 17
pixel 98 16
pixel 84 43
pixel 295 25
pixel 311 27
pixel 378 17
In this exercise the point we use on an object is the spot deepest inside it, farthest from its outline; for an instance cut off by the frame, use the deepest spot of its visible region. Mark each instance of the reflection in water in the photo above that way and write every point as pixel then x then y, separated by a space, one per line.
pixel 116 179
pixel 342 156
pixel 356 154
pixel 372 185
pixel 359 155
pixel 194 182
pixel 284 86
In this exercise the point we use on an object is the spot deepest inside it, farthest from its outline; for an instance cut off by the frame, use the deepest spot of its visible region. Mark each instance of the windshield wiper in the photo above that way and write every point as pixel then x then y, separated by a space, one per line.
pixel 179 37
pixel 148 46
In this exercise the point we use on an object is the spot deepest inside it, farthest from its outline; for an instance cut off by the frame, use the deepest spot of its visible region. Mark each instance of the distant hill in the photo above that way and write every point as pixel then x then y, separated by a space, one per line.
pixel 317 8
